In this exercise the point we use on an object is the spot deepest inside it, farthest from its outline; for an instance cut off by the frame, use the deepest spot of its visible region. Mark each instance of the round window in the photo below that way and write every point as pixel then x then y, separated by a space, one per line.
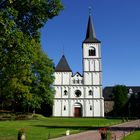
pixel 77 93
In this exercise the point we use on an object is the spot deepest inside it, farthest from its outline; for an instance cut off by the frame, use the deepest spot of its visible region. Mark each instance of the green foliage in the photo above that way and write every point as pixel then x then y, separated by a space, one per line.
pixel 33 14
pixel 7 116
pixel 134 105
pixel 120 95
pixel 17 52
pixel 26 73
pixel 42 78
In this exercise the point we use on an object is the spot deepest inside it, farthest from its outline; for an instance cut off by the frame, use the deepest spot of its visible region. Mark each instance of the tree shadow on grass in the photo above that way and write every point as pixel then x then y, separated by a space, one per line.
pixel 117 128
pixel 70 127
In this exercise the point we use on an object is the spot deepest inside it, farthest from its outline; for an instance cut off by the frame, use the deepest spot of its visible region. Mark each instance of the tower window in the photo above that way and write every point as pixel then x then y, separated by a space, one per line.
pixel 65 92
pixel 90 92
pixel 92 51
pixel 73 81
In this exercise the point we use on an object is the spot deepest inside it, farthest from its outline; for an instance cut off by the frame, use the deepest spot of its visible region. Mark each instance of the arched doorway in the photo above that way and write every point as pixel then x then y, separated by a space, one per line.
pixel 77 110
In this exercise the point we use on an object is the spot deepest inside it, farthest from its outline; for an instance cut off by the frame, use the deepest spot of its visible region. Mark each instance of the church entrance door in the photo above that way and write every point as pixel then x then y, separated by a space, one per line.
pixel 77 110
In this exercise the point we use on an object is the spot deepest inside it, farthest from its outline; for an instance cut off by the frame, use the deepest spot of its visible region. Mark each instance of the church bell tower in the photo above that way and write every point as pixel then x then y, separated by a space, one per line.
pixel 92 70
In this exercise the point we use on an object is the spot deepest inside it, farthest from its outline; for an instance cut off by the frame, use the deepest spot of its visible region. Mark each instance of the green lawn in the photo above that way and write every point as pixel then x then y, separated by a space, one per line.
pixel 43 128
pixel 134 136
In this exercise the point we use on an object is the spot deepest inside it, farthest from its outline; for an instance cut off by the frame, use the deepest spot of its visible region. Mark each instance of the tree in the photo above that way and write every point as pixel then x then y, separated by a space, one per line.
pixel 26 73
pixel 16 54
pixel 120 95
pixel 32 14
pixel 41 90
pixel 134 105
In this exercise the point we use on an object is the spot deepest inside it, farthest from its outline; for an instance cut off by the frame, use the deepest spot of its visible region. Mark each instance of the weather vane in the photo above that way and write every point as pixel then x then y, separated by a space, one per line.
pixel 90 10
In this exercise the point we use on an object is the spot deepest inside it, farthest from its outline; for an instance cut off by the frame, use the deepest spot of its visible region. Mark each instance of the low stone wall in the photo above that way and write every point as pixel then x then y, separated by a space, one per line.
pixel 108 106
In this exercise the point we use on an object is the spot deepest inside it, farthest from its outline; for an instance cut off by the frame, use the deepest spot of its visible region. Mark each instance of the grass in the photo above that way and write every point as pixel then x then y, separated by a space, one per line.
pixel 45 128
pixel 134 136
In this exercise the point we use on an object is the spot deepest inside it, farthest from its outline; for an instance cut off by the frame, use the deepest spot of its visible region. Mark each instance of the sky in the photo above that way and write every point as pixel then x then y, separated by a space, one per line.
pixel 117 26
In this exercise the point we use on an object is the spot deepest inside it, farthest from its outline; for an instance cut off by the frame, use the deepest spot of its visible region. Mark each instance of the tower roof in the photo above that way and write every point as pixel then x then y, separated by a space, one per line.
pixel 63 65
pixel 90 35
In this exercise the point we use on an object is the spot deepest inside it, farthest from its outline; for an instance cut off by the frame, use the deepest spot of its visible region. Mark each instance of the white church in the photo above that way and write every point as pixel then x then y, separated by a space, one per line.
pixel 80 95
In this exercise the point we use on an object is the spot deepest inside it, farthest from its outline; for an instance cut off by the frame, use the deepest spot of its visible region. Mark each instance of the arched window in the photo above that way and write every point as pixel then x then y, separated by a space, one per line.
pixel 64 107
pixel 65 92
pixel 90 92
pixel 90 107
pixel 78 81
pixel 92 51
pixel 77 93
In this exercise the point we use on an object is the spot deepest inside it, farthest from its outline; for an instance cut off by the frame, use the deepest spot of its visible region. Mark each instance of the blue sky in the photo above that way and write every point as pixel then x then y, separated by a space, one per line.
pixel 117 25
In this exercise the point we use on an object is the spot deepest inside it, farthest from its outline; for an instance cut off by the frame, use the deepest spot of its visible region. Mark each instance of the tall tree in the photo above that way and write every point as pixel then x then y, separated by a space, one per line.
pixel 16 53
pixel 120 95
pixel 22 62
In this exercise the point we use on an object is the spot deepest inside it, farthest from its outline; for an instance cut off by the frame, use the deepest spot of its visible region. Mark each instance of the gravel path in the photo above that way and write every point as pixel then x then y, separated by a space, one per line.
pixel 118 132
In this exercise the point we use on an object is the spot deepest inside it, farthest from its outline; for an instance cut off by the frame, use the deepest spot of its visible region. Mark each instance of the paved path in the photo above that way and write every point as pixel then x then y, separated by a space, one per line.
pixel 121 130
pixel 118 132
pixel 88 135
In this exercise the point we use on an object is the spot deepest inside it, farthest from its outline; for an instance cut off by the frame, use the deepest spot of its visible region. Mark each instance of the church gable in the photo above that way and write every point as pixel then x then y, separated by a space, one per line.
pixel 77 79
pixel 77 74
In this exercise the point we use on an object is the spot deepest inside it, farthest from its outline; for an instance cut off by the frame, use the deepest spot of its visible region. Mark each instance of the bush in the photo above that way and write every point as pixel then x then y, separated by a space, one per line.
pixel 23 117
pixel 4 116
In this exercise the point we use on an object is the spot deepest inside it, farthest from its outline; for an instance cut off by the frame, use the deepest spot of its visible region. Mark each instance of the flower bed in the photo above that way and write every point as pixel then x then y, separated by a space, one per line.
pixel 103 133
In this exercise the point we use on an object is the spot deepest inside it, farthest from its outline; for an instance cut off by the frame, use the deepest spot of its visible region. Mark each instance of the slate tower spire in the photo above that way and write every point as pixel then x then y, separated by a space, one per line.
pixel 90 35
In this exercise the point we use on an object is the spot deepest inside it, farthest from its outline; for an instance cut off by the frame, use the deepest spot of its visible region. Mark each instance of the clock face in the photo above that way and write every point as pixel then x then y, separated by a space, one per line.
pixel 77 93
